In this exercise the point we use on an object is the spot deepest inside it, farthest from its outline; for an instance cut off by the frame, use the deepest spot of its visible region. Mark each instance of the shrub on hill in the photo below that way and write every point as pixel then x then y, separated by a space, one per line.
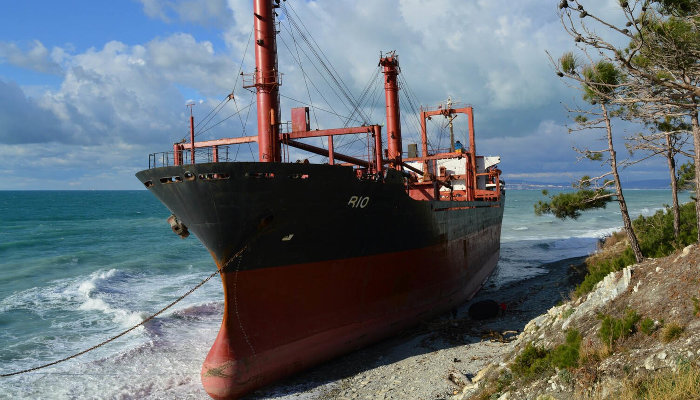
pixel 536 360
pixel 656 239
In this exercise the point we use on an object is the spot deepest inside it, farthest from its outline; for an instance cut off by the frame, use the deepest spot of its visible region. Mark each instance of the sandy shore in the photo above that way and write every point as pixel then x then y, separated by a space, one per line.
pixel 416 364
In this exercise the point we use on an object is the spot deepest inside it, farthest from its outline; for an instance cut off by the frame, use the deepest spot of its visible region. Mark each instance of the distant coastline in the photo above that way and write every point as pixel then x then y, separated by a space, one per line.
pixel 649 184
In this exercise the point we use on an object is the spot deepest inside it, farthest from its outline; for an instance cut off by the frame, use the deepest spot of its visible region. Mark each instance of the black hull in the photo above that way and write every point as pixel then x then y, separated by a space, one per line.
pixel 301 213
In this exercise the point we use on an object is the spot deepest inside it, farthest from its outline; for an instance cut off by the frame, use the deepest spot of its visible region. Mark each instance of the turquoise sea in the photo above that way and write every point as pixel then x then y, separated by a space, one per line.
pixel 77 267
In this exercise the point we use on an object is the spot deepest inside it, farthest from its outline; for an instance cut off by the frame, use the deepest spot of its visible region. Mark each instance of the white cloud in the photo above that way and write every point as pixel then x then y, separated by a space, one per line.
pixel 36 58
pixel 22 120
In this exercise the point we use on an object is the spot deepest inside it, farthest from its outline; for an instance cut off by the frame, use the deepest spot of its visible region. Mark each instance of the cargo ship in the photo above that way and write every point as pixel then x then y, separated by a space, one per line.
pixel 320 259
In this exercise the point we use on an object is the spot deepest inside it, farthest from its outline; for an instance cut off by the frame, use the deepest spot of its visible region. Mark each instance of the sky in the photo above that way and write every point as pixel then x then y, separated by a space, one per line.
pixel 89 89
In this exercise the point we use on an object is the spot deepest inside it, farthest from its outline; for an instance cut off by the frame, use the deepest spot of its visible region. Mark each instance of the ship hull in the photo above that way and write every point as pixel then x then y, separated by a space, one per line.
pixel 316 262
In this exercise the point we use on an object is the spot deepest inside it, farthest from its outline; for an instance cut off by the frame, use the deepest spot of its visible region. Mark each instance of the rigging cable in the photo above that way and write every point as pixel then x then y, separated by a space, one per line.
pixel 224 120
pixel 318 108
pixel 322 58
pixel 215 111
pixel 317 70
pixel 371 83
pixel 412 100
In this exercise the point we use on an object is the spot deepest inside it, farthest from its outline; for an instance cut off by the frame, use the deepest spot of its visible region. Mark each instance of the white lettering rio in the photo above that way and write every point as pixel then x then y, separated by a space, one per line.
pixel 358 201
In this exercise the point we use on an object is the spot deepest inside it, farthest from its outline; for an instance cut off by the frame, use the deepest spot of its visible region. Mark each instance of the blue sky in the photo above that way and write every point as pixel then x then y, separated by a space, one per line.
pixel 88 89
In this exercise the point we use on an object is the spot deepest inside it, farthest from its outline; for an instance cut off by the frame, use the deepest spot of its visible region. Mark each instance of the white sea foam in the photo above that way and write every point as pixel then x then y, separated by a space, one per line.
pixel 647 211
pixel 94 300
pixel 599 233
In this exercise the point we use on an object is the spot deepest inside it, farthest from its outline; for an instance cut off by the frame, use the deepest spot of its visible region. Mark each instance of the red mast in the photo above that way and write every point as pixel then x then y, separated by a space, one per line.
pixel 266 81
pixel 191 106
pixel 393 119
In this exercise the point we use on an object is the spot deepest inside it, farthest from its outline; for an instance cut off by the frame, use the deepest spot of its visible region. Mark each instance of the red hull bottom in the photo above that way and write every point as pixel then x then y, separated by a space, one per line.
pixel 278 321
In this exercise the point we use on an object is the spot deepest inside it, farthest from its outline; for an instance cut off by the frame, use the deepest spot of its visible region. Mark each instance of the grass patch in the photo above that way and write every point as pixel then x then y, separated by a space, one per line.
pixel 647 326
pixel 534 361
pixel 655 234
pixel 671 332
pixel 682 384
pixel 696 306
pixel 568 313
pixel 612 329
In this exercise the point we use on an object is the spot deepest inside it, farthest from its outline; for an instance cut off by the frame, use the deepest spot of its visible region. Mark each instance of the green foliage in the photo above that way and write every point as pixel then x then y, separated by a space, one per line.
pixel 568 313
pixel 504 380
pixel 566 355
pixel 685 177
pixel 612 329
pixel 678 7
pixel 534 361
pixel 570 204
pixel 655 233
pixel 599 270
pixel 593 156
pixel 696 306
pixel 647 326
pixel 583 183
pixel 565 376
pixel 669 124
pixel 671 332
pixel 671 40
pixel 580 119
pixel 568 63
pixel 602 79
pixel 656 239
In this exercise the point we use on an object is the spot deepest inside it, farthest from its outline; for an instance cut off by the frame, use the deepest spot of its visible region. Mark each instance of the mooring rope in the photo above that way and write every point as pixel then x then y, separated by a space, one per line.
pixel 133 327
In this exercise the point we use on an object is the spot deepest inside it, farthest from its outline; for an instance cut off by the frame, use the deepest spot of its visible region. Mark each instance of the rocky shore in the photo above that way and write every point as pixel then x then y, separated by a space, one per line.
pixel 657 308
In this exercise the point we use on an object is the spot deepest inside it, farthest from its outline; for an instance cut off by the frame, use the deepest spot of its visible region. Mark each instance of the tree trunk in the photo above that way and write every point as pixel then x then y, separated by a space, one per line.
pixel 634 243
pixel 674 187
pixel 696 145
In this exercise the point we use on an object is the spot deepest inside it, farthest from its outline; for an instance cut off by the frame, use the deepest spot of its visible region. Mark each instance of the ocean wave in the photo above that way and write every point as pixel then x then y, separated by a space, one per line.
pixel 598 233
pixel 199 311
pixel 92 302
pixel 521 228
pixel 647 211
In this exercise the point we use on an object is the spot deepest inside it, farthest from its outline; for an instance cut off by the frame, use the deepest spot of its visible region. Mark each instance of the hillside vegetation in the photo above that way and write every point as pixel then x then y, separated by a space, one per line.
pixel 630 331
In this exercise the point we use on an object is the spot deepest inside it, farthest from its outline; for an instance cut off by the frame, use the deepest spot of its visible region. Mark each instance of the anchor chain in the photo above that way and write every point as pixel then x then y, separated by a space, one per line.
pixel 235 256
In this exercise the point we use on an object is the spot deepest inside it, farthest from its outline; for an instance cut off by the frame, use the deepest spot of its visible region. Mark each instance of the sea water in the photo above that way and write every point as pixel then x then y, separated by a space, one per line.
pixel 78 267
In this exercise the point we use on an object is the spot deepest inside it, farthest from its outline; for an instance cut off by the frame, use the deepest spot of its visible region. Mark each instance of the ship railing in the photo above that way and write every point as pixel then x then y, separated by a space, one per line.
pixel 269 79
pixel 285 127
pixel 201 155
pixel 444 106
